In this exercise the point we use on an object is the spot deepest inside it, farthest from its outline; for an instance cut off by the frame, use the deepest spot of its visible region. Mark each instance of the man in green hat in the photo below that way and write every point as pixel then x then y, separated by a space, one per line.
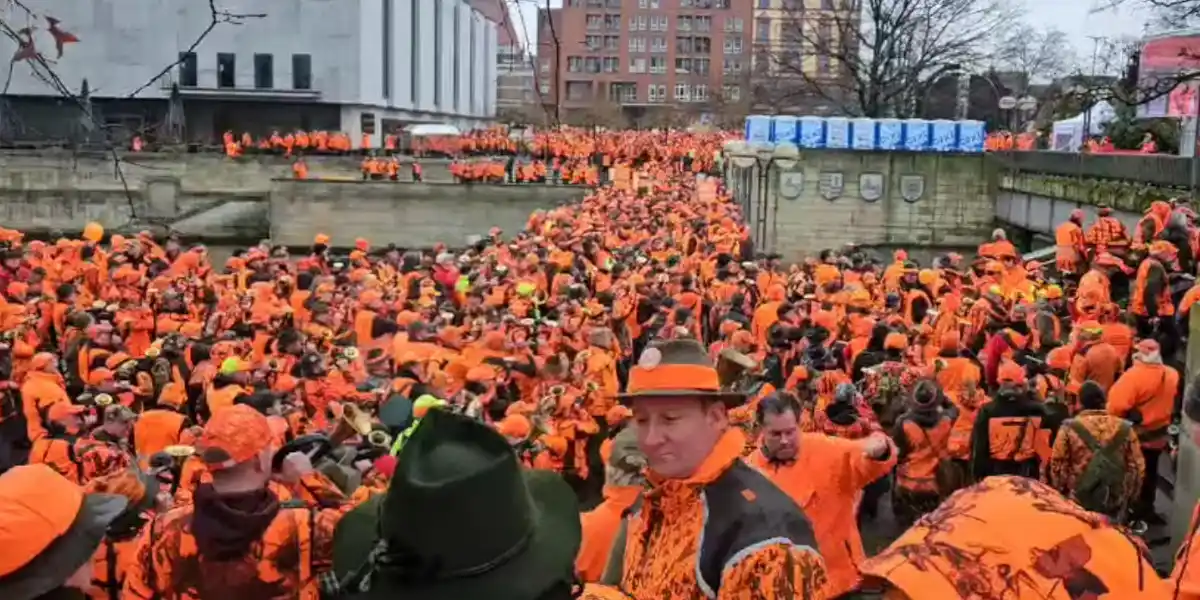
pixel 461 520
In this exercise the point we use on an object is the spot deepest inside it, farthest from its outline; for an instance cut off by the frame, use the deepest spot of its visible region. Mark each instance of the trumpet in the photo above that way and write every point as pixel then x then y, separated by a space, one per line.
pixel 274 365
pixel 379 439
pixel 179 451
pixel 557 391
pixel 350 353
pixel 103 399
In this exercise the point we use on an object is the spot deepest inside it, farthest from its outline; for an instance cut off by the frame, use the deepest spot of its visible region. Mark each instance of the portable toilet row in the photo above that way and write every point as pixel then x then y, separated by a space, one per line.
pixel 840 133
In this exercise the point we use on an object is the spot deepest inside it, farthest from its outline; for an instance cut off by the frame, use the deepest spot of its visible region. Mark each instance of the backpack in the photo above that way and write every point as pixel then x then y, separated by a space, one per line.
pixel 1101 485
pixel 949 476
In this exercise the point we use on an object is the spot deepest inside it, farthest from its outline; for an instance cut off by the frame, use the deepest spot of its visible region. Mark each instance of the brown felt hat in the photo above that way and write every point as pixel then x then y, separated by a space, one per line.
pixel 674 369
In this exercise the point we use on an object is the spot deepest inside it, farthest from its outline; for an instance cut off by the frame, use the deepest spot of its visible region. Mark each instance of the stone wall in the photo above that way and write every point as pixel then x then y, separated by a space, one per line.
pixel 831 198
pixel 202 196
pixel 407 214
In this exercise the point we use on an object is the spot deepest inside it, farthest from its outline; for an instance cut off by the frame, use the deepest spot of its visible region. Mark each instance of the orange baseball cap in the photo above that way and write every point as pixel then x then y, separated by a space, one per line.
pixel 49 528
pixel 233 436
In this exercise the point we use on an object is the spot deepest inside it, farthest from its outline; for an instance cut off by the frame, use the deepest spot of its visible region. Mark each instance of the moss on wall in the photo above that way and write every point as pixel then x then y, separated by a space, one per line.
pixel 1121 195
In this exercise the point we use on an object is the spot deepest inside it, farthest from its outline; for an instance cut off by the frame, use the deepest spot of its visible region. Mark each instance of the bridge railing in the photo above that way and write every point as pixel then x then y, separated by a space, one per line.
pixel 1154 169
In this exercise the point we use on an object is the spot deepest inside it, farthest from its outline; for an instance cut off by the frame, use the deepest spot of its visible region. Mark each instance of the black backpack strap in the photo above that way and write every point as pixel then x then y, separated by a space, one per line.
pixel 1085 435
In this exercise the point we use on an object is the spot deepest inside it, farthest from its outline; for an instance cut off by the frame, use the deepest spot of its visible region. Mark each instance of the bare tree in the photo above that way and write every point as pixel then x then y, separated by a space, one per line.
pixel 878 58
pixel 1040 54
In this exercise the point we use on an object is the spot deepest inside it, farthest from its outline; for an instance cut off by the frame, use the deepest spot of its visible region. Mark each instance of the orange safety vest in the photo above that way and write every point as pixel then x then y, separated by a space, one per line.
pixel 1137 303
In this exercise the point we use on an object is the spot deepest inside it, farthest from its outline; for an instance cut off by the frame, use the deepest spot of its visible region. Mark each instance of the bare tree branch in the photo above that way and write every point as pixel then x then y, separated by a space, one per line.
pixel 42 68
pixel 217 17
pixel 881 57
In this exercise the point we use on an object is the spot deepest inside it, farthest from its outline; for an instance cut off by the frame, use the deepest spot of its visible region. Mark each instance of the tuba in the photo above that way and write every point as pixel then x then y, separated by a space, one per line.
pixel 732 367
pixel 353 422
pixel 379 439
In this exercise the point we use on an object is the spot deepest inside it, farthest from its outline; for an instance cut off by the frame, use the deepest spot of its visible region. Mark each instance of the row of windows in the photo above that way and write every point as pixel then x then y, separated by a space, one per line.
pixel 683 45
pixel 700 23
pixel 790 30
pixel 651 4
pixel 628 92
pixel 653 64
pixel 264 71
pixel 801 5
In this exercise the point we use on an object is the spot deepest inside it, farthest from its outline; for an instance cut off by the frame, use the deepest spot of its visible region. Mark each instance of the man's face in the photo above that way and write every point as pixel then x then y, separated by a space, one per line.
pixel 677 434
pixel 781 436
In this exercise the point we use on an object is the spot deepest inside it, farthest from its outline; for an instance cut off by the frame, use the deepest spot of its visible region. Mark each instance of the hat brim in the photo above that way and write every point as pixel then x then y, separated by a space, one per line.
pixel 547 560
pixel 730 399
pixel 68 552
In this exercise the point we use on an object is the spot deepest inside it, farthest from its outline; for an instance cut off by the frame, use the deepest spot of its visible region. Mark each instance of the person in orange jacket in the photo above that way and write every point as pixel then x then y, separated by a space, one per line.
pixel 238 527
pixel 623 484
pixel 1145 396
pixel 791 459
pixel 922 438
pixel 51 530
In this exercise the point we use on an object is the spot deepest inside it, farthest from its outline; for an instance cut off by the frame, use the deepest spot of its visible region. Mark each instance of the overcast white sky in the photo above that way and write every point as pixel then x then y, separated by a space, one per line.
pixel 1079 19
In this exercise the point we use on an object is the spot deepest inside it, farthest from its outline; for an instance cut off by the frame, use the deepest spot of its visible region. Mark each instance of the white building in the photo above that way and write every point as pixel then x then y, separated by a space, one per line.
pixel 378 63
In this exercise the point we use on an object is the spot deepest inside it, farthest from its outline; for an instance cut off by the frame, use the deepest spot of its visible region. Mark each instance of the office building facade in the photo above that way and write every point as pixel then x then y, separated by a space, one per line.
pixel 359 66
pixel 671 56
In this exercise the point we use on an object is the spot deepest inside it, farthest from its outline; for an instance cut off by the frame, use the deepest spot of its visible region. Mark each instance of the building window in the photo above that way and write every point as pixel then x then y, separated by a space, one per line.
pixel 700 66
pixel 301 72
pixel 457 45
pixel 595 22
pixel 731 93
pixel 226 70
pixel 662 92
pixel 637 65
pixel 641 22
pixel 545 68
pixel 654 4
pixel 612 64
pixel 574 64
pixel 762 29
pixel 652 93
pixel 544 88
pixel 703 24
pixel 683 23
pixel 682 92
pixel 187 69
pixel 415 51
pixel 264 71
pixel 700 93
pixel 643 4
pixel 826 4
pixel 437 54
pixel 658 64
pixel 733 45
pixel 683 66
pixel 386 63
pixel 658 44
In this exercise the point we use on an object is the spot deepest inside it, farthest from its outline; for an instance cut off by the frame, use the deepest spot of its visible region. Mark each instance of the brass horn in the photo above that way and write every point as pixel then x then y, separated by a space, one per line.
pixel 274 365
pixel 353 422
pixel 379 439
pixel 350 353
pixel 179 451
pixel 557 391
pixel 103 399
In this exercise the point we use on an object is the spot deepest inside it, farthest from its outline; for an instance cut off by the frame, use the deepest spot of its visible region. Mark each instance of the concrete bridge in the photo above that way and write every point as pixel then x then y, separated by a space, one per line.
pixel 1037 190
pixel 222 201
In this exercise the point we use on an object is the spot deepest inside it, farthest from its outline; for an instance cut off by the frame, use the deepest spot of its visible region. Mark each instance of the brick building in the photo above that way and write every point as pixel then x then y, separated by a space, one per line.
pixel 644 60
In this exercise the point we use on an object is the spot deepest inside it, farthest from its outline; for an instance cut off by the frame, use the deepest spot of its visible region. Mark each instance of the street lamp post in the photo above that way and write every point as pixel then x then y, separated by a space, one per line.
pixel 756 199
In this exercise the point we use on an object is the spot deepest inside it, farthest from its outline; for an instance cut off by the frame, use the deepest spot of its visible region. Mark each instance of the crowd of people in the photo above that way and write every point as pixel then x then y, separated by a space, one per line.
pixel 624 400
